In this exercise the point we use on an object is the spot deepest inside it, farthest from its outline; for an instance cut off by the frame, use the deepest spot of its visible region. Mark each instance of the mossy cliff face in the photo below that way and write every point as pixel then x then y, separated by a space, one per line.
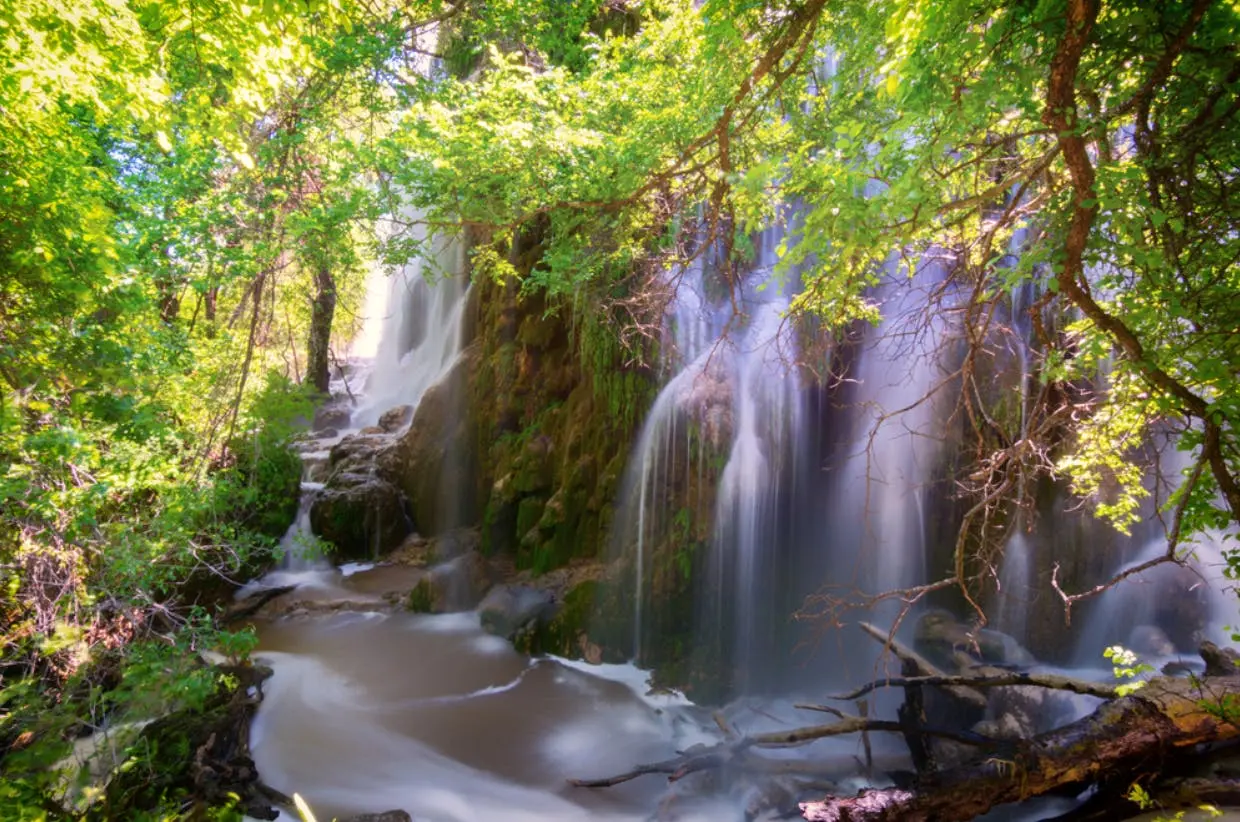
pixel 554 408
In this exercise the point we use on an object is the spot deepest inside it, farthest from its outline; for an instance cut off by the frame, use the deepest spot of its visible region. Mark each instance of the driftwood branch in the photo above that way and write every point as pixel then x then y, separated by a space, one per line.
pixel 737 752
pixel 988 680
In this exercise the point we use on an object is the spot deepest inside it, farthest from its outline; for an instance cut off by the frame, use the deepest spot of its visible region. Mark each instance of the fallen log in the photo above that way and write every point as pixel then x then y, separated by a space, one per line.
pixel 710 757
pixel 915 665
pixel 1131 735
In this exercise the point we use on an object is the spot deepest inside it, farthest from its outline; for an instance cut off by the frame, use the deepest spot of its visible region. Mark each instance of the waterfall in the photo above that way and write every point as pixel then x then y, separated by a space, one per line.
pixel 878 497
pixel 765 413
pixel 726 419
pixel 1167 610
pixel 420 331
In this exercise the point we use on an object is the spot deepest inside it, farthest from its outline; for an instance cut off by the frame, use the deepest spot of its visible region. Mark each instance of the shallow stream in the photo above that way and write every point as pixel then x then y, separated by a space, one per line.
pixel 374 711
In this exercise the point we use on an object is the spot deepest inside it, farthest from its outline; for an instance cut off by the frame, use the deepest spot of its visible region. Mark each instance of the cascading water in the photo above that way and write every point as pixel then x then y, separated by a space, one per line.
pixel 1166 611
pixel 881 489
pixel 727 418
pixel 420 337
pixel 746 529
pixel 373 708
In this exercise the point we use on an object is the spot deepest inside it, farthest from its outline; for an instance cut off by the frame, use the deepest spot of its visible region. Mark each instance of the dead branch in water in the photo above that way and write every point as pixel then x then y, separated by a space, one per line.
pixel 1051 681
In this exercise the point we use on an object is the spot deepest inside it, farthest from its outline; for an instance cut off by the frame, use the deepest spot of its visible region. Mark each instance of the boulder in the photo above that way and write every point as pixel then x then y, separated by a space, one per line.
pixel 455 543
pixel 952 645
pixel 395 419
pixel 361 515
pixel 331 415
pixel 360 453
pixel 432 461
pixel 1150 640
pixel 511 609
pixel 455 585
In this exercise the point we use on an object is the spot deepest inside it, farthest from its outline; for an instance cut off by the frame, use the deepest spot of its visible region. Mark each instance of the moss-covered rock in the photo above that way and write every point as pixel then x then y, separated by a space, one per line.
pixel 555 406
pixel 362 516
pixel 422 597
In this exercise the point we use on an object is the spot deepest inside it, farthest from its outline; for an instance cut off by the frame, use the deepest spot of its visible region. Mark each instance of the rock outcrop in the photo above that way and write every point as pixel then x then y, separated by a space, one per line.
pixel 433 460
pixel 362 515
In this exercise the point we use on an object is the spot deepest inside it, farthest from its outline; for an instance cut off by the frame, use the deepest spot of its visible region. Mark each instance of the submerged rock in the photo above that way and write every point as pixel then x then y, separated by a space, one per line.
pixel 394 419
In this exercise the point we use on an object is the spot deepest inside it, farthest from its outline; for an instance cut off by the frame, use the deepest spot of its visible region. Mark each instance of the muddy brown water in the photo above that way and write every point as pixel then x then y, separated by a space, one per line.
pixel 372 711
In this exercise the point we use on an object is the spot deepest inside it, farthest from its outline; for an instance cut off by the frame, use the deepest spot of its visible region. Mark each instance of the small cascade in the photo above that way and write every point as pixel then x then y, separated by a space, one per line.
pixel 410 338
pixel 1016 568
pixel 704 485
pixel 878 500
pixel 298 546
pixel 420 336
pixel 765 413
pixel 1167 610
pixel 1015 581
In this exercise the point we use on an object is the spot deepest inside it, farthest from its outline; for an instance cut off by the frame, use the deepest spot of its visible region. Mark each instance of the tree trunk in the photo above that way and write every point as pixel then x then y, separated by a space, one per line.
pixel 211 300
pixel 322 312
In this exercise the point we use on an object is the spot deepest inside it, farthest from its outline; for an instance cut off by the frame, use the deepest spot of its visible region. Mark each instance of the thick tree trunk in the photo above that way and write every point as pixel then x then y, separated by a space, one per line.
pixel 1132 735
pixel 322 313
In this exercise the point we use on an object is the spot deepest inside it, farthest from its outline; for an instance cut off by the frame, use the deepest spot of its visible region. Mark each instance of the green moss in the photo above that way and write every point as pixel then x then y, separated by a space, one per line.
pixel 529 511
pixel 565 634
pixel 422 597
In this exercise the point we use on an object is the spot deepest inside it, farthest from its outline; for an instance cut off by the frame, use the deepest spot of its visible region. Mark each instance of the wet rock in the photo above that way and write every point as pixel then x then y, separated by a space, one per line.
pixel 708 399
pixel 331 415
pixel 1219 661
pixel 456 543
pixel 1007 726
pixel 952 645
pixel 1025 706
pixel 394 419
pixel 510 609
pixel 328 433
pixel 432 462
pixel 253 603
pixel 386 816
pixel 361 453
pixel 362 516
pixel 1182 667
pixel 1150 640
pixel 456 585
